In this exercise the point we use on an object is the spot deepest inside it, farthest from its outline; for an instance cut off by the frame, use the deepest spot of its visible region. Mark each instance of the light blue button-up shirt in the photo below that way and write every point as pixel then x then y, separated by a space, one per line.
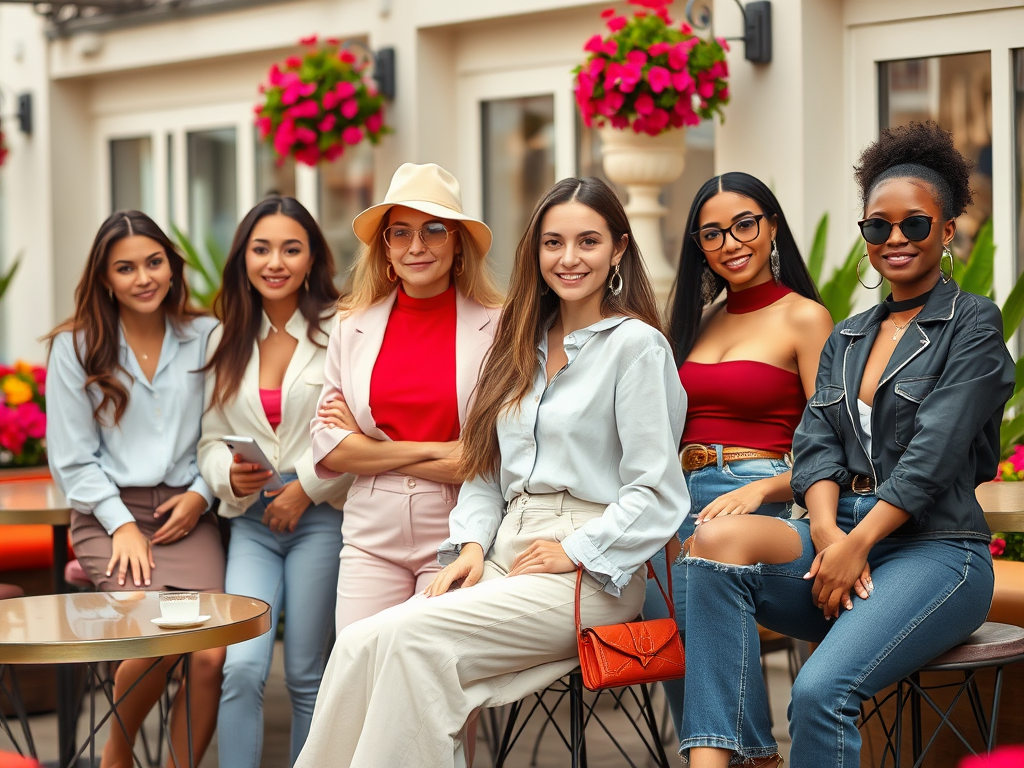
pixel 607 430
pixel 155 441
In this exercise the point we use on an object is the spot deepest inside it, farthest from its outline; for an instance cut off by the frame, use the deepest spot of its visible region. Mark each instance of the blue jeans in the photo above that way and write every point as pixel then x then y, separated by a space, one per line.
pixel 705 485
pixel 929 596
pixel 297 572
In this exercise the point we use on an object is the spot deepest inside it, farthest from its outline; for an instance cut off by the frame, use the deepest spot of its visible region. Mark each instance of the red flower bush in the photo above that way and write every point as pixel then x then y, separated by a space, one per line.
pixel 22 415
pixel 650 75
pixel 317 104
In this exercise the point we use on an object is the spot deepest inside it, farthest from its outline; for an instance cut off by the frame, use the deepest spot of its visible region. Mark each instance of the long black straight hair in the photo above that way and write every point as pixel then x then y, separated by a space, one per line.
pixel 687 306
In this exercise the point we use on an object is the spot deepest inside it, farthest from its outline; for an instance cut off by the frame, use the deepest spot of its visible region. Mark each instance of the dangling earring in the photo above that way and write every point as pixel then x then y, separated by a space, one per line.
pixel 460 265
pixel 776 266
pixel 390 273
pixel 861 280
pixel 946 252
pixel 110 293
pixel 545 290
pixel 615 288
pixel 306 282
pixel 708 285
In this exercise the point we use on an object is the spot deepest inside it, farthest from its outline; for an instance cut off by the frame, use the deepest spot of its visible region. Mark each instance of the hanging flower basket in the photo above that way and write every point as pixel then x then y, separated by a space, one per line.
pixel 317 104
pixel 649 75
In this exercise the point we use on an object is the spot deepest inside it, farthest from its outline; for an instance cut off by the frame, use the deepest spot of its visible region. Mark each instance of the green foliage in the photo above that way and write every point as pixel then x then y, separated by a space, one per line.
pixel 5 279
pixel 204 272
pixel 1012 545
pixel 836 292
pixel 816 257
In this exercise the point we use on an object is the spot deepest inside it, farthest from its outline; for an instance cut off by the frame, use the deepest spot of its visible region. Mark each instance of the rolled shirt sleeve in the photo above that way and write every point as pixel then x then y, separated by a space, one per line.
pixel 326 437
pixel 475 518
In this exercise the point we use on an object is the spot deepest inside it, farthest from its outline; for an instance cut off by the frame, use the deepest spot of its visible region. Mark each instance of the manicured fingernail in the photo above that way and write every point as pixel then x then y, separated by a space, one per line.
pixel 807 575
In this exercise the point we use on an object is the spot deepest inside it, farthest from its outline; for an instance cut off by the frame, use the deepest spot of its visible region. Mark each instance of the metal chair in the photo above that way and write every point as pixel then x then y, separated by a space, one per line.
pixel 581 713
pixel 993 646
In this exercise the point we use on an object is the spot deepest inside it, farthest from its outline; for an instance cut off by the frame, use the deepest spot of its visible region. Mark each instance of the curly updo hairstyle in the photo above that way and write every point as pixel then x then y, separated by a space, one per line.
pixel 918 151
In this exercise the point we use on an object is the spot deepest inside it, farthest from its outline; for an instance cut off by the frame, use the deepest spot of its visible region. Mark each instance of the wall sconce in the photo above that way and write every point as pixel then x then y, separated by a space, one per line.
pixel 24 113
pixel 383 61
pixel 757 26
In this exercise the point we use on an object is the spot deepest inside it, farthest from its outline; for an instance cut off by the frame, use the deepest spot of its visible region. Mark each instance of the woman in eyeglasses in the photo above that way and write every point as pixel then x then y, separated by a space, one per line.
pixel 402 364
pixel 891 566
pixel 747 363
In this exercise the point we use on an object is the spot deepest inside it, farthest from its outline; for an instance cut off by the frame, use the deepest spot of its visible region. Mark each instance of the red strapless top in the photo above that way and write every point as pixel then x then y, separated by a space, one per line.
pixel 742 403
pixel 271 401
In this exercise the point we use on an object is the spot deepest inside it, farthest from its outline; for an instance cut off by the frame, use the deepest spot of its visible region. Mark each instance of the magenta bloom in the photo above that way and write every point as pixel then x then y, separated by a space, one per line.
pixel 607 13
pixel 352 135
pixel 682 81
pixel 327 123
pixel 264 124
pixel 1010 756
pixel 308 41
pixel 617 23
pixel 594 45
pixel 706 89
pixel 659 78
pixel 345 90
pixel 659 48
pixel 644 104
pixel 349 109
pixel 308 155
pixel 308 108
pixel 334 152
pixel 293 62
pixel 374 122
pixel 997 547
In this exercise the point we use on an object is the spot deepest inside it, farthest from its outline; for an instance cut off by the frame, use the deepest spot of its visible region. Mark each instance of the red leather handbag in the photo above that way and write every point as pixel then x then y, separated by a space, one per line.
pixel 616 655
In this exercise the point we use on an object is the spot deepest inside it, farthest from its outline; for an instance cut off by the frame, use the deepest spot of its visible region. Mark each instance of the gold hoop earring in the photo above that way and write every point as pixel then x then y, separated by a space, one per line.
pixel 390 273
pixel 861 281
pixel 946 252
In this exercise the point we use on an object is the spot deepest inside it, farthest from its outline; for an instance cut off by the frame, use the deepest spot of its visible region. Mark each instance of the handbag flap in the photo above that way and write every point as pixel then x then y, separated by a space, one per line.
pixel 640 640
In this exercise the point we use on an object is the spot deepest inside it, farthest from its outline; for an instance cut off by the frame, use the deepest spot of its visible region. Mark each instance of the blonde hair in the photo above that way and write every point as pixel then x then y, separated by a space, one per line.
pixel 370 282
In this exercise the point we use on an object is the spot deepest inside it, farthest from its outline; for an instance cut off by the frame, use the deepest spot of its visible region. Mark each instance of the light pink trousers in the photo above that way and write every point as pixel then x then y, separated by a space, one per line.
pixel 392 527
pixel 401 684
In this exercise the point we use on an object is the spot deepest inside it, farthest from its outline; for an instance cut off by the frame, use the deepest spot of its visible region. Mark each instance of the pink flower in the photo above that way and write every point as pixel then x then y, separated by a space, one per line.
pixel 347 56
pixel 637 58
pixel 375 122
pixel 653 4
pixel 659 48
pixel 1011 756
pixel 724 94
pixel 679 56
pixel 644 104
pixel 997 547
pixel 657 121
pixel 617 23
pixel 327 123
pixel 334 42
pixel 595 67
pixel 264 124
pixel 659 78
pixel 607 13
pixel 308 41
pixel 682 81
pixel 293 62
pixel 349 109
pixel 723 42
pixel 584 86
pixel 706 89
pixel 619 121
pixel 297 90
pixel 331 100
pixel 284 138
pixel 611 103
pixel 686 29
pixel 32 420
pixel 305 135
pixel 352 135
pixel 345 90
pixel 662 13
pixel 275 74
pixel 718 70
pixel 308 155
pixel 594 45
pixel 308 108
pixel 334 152
pixel 639 124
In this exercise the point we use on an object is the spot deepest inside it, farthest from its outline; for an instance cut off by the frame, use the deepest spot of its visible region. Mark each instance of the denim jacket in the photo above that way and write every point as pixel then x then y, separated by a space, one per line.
pixel 935 417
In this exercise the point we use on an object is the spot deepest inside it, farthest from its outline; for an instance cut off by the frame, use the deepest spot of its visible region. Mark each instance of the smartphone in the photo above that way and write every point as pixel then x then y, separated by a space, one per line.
pixel 250 451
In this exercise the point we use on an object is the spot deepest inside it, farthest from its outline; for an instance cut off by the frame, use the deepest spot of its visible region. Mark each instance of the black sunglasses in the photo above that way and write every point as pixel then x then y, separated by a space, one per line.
pixel 914 228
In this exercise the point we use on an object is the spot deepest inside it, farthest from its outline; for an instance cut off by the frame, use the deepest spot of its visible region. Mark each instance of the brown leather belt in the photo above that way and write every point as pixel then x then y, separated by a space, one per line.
pixel 861 484
pixel 696 456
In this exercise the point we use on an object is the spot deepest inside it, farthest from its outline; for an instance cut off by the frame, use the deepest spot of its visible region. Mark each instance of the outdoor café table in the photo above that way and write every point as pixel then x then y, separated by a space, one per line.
pixel 92 627
pixel 39 502
pixel 1003 504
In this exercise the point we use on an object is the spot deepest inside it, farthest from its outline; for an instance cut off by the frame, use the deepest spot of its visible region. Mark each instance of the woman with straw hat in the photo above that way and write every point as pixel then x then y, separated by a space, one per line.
pixel 402 363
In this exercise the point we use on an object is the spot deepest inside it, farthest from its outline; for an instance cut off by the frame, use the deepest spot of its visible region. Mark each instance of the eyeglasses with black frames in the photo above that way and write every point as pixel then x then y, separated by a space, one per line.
pixel 710 239
pixel 433 234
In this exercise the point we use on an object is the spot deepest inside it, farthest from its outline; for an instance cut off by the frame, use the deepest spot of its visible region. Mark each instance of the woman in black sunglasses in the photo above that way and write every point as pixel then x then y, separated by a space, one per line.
pixel 747 363
pixel 892 566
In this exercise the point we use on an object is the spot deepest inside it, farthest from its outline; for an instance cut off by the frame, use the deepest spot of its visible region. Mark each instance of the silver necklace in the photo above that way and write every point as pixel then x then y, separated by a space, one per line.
pixel 900 328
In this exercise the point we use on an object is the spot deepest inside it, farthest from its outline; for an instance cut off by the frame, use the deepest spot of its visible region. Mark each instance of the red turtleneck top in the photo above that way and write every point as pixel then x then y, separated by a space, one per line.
pixel 412 387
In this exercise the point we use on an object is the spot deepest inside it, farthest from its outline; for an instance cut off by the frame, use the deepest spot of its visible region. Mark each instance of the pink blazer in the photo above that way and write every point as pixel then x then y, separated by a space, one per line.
pixel 352 352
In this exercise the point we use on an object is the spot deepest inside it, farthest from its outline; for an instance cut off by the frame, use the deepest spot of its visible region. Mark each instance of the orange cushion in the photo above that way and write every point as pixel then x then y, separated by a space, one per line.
pixel 24 547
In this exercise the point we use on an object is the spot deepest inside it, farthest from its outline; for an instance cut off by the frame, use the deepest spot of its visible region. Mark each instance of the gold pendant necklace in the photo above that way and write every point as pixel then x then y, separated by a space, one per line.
pixel 125 332
pixel 900 328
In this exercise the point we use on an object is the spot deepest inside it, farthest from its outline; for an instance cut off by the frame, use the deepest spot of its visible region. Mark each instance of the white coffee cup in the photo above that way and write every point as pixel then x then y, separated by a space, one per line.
pixel 179 606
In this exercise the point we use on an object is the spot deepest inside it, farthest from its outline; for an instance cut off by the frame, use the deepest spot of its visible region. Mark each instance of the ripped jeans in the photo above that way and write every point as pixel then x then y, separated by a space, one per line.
pixel 929 595
pixel 705 485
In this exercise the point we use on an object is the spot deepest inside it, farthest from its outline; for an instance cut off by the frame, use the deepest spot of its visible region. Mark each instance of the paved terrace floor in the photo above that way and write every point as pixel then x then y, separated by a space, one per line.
pixel 551 754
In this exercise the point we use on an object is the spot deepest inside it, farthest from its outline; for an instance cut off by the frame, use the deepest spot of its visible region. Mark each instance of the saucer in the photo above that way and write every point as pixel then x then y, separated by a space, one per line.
pixel 170 624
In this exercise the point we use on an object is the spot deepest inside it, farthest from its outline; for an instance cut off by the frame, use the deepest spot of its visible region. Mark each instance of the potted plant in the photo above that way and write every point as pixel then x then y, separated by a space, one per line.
pixel 641 84
pixel 317 104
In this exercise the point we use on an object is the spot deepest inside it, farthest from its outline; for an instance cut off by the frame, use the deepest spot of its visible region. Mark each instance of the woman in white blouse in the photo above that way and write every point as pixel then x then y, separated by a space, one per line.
pixel 124 398
pixel 571 447
pixel 265 373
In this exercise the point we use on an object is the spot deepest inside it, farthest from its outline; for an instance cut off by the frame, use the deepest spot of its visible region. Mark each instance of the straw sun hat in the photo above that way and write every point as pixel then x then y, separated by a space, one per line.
pixel 429 189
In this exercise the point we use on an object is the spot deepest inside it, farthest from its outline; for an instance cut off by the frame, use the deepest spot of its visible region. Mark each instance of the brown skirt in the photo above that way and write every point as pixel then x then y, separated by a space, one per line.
pixel 194 562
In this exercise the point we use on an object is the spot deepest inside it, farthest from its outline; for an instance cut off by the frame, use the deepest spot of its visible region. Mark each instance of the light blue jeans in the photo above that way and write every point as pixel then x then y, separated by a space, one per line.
pixel 705 485
pixel 929 596
pixel 296 572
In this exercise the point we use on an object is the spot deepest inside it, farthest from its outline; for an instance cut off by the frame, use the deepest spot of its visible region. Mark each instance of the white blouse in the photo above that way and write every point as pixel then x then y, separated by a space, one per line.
pixel 288 447
pixel 607 430
pixel 155 441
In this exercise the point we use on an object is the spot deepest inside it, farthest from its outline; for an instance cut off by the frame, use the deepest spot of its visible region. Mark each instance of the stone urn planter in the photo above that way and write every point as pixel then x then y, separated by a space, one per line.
pixel 644 165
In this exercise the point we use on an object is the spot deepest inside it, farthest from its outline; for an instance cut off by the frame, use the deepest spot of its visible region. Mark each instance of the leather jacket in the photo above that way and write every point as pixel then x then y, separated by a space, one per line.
pixel 935 417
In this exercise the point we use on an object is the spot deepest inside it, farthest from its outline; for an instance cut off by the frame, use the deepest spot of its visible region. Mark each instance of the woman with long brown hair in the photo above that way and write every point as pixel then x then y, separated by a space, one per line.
pixel 402 364
pixel 570 448
pixel 264 376
pixel 124 399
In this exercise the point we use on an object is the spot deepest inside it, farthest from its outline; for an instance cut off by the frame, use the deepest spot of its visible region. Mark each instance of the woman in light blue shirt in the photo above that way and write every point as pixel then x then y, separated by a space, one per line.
pixel 124 396
pixel 570 450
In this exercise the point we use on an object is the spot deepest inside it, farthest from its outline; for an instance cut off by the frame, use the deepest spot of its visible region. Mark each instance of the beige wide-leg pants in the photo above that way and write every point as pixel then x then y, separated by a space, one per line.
pixel 401 684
